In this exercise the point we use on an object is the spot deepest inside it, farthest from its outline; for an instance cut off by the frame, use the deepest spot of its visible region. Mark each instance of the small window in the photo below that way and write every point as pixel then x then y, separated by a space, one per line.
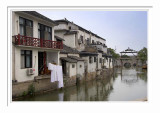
pixel 100 60
pixel 26 59
pixel 87 41
pixel 69 27
pixel 80 66
pixel 94 59
pixel 92 41
pixel 81 38
pixel 90 59
pixel 73 65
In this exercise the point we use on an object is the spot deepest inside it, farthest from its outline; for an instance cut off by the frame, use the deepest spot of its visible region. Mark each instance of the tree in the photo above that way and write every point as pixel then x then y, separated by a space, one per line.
pixel 125 56
pixel 113 53
pixel 142 54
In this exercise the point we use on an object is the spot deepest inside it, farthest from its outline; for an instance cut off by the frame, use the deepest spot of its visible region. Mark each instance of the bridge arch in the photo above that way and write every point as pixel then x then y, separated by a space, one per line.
pixel 130 60
pixel 127 65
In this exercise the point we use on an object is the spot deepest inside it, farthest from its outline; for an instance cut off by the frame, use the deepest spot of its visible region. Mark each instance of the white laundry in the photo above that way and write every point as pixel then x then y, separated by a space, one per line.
pixel 60 76
pixel 53 69
pixel 56 74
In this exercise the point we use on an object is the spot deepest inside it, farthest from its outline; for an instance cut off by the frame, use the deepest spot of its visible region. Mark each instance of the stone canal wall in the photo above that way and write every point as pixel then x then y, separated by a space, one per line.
pixel 42 83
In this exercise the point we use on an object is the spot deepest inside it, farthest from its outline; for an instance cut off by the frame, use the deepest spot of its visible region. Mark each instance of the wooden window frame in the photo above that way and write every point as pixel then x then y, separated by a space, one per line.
pixel 25 55
pixel 44 27
pixel 25 24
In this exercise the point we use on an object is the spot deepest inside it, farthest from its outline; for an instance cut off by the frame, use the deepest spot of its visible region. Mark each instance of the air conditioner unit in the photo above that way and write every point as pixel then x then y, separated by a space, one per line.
pixel 30 71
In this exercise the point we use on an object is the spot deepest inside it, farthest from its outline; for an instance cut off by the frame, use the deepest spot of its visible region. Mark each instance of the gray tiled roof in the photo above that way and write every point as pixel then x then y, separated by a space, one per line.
pixel 81 28
pixel 38 15
pixel 88 53
pixel 76 58
pixel 67 59
pixel 67 49
pixel 70 32
pixel 57 37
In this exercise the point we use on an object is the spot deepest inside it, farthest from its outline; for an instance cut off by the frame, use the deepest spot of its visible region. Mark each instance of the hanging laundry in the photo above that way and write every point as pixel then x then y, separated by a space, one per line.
pixel 56 74
pixel 60 76
pixel 53 69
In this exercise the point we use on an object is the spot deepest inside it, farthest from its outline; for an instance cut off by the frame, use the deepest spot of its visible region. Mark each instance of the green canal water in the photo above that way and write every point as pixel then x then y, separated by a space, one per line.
pixel 131 85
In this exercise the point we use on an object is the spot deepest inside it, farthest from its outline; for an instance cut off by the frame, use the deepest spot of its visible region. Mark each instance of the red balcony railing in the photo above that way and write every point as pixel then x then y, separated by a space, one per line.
pixel 36 42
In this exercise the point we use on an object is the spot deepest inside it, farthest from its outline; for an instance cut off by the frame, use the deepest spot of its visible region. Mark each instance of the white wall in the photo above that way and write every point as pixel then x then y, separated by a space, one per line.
pixel 60 34
pixel 99 64
pixel 13 62
pixel 53 57
pixel 80 70
pixel 91 67
pixel 70 40
pixel 104 49
pixel 15 24
pixel 77 55
pixel 105 63
pixel 109 65
pixel 61 26
pixel 21 74
pixel 72 71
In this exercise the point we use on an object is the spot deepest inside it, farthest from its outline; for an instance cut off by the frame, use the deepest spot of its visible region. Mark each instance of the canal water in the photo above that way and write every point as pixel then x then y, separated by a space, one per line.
pixel 131 85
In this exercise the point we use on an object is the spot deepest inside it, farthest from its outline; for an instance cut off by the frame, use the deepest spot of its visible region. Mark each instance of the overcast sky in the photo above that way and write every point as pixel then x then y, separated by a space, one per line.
pixel 121 29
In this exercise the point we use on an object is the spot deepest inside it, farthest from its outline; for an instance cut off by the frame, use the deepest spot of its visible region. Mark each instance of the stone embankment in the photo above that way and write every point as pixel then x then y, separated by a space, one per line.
pixel 42 83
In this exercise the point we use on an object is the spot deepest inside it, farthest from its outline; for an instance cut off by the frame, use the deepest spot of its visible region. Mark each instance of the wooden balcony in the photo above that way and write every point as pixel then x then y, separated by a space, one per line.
pixel 36 42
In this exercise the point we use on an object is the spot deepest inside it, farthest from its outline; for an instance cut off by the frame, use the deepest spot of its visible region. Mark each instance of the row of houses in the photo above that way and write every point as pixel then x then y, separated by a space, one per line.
pixel 38 40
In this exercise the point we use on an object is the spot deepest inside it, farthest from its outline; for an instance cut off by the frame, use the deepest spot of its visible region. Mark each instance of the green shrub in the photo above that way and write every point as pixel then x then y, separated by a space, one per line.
pixel 31 89
pixel 24 93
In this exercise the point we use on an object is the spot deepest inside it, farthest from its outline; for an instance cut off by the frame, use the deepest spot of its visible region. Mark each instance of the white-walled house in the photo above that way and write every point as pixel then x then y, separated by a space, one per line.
pixel 33 45
pixel 71 62
pixel 75 36
pixel 78 38
pixel 90 64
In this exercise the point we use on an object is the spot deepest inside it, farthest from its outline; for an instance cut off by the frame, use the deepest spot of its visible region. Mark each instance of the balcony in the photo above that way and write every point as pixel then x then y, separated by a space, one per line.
pixel 36 42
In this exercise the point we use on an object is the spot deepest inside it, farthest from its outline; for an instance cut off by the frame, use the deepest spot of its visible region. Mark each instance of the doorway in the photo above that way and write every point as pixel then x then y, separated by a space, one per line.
pixel 41 63
pixel 64 67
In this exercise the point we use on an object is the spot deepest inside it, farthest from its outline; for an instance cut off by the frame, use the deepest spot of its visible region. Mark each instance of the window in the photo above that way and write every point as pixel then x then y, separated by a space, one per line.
pixel 107 59
pixel 26 27
pixel 80 66
pixel 100 60
pixel 73 65
pixel 26 59
pixel 69 27
pixel 94 59
pixel 90 59
pixel 92 41
pixel 87 41
pixel 81 38
pixel 44 32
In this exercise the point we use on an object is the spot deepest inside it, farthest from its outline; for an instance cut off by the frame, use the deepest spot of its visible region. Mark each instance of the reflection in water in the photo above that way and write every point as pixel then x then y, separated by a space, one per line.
pixel 130 85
